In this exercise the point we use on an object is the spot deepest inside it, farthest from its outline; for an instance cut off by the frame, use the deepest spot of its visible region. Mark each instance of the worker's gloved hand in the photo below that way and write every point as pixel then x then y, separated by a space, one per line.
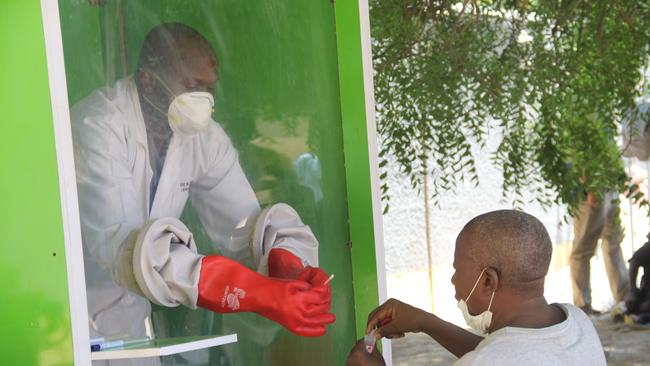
pixel 284 264
pixel 226 286
pixel 317 278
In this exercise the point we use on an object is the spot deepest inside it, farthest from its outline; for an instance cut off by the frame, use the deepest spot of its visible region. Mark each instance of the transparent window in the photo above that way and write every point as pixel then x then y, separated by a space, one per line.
pixel 225 109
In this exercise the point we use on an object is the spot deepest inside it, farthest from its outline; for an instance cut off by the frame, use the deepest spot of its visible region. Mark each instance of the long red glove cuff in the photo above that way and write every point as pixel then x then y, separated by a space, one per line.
pixel 226 286
pixel 284 264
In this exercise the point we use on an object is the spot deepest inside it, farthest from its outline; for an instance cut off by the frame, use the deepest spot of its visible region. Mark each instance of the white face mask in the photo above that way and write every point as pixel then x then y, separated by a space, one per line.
pixel 189 113
pixel 480 322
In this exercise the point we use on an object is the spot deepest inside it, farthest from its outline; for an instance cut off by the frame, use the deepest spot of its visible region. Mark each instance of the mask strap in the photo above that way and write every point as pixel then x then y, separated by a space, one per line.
pixel 153 105
pixel 475 284
pixel 491 298
pixel 161 81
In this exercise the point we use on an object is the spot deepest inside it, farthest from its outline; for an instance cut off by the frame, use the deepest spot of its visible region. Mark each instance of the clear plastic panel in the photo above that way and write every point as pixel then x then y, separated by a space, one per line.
pixel 274 82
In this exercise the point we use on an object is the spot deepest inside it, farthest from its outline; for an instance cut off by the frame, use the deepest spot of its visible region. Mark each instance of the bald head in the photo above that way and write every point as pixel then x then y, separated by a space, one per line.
pixel 514 243
pixel 170 46
pixel 174 59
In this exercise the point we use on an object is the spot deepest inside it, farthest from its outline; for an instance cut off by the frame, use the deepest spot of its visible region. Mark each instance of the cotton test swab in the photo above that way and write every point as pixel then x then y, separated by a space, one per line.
pixel 328 280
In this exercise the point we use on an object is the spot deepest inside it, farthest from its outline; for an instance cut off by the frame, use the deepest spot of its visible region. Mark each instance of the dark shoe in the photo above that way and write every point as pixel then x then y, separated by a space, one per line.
pixel 643 319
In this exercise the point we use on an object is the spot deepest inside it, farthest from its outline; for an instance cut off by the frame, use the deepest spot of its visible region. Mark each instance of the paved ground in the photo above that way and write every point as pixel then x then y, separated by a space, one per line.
pixel 624 345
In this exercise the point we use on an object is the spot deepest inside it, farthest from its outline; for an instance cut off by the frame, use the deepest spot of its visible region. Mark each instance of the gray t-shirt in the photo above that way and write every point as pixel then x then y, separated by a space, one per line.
pixel 571 342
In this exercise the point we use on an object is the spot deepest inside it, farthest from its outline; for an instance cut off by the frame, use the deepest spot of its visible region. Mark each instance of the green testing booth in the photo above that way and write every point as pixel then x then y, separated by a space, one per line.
pixel 288 92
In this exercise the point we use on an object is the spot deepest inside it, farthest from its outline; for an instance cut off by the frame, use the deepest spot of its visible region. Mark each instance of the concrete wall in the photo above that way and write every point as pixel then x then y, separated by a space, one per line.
pixel 406 247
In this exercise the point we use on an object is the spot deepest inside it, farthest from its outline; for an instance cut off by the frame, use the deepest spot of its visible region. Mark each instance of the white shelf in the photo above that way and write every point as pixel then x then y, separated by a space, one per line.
pixel 164 347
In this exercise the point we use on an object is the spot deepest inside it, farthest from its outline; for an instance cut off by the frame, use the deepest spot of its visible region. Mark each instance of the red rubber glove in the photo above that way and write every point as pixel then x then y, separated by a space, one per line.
pixel 226 286
pixel 284 264
pixel 317 277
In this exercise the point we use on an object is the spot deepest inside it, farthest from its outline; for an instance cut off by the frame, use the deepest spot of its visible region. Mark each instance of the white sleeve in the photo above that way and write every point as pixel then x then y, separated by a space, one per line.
pixel 229 212
pixel 224 199
pixel 280 226
pixel 166 265
pixel 103 186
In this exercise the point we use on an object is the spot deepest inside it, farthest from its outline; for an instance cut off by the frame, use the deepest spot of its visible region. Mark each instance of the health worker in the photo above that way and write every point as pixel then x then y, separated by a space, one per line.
pixel 143 147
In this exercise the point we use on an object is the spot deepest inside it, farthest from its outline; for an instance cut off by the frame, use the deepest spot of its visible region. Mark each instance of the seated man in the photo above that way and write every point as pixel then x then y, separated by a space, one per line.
pixel 638 302
pixel 501 259
pixel 144 148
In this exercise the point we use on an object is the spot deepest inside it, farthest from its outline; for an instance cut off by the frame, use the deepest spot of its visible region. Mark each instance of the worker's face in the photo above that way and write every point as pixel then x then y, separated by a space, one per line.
pixel 466 273
pixel 197 71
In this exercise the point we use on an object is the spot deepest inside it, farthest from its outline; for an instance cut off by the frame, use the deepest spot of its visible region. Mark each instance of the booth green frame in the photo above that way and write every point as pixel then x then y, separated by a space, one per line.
pixel 36 303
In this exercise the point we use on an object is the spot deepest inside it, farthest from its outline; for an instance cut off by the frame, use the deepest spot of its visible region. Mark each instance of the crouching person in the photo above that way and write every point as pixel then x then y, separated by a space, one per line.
pixel 638 302
pixel 500 261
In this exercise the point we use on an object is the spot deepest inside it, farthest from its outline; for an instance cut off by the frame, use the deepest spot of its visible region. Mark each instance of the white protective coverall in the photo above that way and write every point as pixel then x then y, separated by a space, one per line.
pixel 113 181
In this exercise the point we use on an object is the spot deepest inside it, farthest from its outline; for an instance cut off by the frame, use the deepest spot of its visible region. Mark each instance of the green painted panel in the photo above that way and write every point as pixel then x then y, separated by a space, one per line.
pixel 357 166
pixel 278 99
pixel 34 297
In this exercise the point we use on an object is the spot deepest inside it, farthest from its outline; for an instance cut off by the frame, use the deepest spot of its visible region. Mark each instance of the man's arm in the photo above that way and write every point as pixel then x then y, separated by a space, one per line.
pixel 230 213
pixel 222 195
pixel 455 339
pixel 399 318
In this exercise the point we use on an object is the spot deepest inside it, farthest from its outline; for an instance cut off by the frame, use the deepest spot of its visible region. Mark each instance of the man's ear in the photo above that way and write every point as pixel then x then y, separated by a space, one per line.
pixel 490 281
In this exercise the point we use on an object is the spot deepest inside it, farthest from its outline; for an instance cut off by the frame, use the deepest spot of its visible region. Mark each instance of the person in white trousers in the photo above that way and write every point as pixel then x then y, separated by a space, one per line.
pixel 594 220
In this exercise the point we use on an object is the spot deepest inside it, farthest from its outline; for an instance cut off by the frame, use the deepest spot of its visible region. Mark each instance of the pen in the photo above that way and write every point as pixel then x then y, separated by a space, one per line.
pixel 99 340
pixel 118 343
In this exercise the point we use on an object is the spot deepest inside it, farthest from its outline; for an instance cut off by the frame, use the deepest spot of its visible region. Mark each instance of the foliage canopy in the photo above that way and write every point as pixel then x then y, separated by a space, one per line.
pixel 554 78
